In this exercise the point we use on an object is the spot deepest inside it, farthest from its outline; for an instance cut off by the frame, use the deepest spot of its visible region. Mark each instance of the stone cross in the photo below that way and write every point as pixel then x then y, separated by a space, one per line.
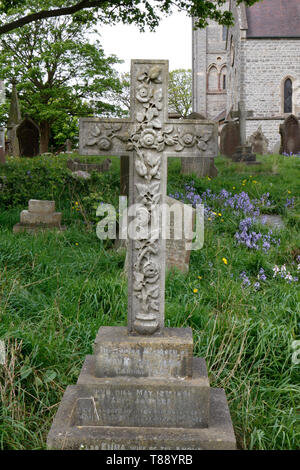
pixel 148 138
pixel 242 115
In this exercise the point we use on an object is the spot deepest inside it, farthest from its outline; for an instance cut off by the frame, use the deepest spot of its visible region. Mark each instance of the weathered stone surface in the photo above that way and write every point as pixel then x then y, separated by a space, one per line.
pixel 142 401
pixel 76 165
pixel 81 174
pixel 272 220
pixel 218 436
pixel 139 390
pixel 40 216
pixel 199 166
pixel 2 156
pixel 148 138
pixel 290 135
pixel 119 354
pixel 28 134
pixel 177 250
pixel 243 154
pixel 259 142
pixel 229 138
pixel 41 206
pixel 19 228
pixel 36 218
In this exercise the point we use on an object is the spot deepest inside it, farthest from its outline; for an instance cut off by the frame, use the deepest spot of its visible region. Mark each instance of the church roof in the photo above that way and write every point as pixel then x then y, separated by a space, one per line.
pixel 274 19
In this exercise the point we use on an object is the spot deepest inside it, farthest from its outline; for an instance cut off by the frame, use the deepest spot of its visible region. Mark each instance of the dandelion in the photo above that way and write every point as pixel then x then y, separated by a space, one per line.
pixel 254 182
pixel 224 260
pixel 195 291
pixel 76 244
pixel 233 187
pixel 219 214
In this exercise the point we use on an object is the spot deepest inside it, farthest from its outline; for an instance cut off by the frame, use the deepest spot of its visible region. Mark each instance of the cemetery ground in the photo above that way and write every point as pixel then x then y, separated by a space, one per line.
pixel 241 295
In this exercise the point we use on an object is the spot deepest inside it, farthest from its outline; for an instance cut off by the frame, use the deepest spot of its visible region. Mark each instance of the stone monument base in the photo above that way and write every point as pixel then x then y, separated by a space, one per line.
pixel 142 392
pixel 17 228
pixel 40 216
pixel 243 154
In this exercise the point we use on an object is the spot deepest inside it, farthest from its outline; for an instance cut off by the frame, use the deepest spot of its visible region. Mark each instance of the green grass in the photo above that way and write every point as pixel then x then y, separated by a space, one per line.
pixel 57 289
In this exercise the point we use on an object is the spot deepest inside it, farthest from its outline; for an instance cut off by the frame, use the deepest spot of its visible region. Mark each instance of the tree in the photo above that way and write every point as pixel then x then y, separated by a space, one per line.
pixel 180 91
pixel 60 73
pixel 141 12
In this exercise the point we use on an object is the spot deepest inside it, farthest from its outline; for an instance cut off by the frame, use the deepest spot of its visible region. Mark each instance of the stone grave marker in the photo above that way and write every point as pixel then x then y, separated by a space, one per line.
pixel 259 142
pixel 290 135
pixel 229 138
pixel 77 165
pixel 243 152
pixel 142 388
pixel 28 134
pixel 40 215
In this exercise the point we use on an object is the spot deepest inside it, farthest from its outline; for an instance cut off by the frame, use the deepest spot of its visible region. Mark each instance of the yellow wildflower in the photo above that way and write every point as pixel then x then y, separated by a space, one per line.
pixel 195 291
pixel 219 214
pixel 200 277
pixel 209 218
pixel 224 260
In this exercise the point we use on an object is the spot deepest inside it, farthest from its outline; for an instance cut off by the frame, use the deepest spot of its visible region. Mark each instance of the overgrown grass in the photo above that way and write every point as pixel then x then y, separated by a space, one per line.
pixel 57 289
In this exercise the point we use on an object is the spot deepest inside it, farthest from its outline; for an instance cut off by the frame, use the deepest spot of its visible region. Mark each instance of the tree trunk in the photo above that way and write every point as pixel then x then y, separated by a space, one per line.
pixel 45 136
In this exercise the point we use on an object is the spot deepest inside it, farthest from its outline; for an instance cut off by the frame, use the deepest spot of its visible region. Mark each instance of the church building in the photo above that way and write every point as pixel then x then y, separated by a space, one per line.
pixel 256 61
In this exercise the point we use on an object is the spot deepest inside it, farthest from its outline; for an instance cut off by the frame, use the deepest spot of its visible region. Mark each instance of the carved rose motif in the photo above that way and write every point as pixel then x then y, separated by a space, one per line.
pixel 104 143
pixel 144 93
pixel 187 140
pixel 150 269
pixel 148 138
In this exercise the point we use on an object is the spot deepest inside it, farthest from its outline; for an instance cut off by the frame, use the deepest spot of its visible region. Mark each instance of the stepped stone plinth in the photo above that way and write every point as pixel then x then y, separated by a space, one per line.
pixel 40 215
pixel 142 393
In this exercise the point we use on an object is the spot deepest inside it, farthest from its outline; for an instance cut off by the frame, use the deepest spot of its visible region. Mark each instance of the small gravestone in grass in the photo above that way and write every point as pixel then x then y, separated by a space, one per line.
pixel 142 388
pixel 40 215
pixel 290 135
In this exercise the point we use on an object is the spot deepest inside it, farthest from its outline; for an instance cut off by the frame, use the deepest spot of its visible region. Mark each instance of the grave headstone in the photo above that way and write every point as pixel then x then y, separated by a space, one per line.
pixel 272 220
pixel 68 145
pixel 40 215
pixel 200 166
pixel 28 135
pixel 142 388
pixel 243 152
pixel 290 135
pixel 177 249
pixel 229 138
pixel 259 143
pixel 77 165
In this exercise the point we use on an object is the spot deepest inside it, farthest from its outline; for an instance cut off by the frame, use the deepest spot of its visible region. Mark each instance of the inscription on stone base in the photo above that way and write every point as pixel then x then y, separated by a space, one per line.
pixel 119 354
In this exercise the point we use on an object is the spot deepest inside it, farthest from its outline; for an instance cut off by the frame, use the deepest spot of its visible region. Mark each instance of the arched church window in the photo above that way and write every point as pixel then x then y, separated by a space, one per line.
pixel 212 79
pixel 288 96
pixel 223 78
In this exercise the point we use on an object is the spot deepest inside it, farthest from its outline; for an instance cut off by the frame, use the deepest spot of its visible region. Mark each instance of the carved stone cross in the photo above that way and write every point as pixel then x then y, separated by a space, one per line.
pixel 242 115
pixel 148 138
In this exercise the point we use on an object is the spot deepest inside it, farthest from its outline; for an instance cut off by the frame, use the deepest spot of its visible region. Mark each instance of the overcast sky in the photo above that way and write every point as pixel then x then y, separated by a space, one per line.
pixel 172 40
